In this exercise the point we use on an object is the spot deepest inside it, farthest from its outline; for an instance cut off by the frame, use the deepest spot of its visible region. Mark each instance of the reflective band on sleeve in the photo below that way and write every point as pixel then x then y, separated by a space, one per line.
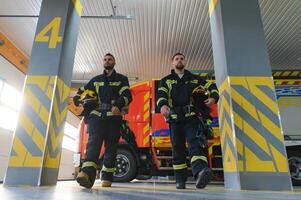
pixel 164 90
pixel 126 101
pixel 96 113
pixel 123 89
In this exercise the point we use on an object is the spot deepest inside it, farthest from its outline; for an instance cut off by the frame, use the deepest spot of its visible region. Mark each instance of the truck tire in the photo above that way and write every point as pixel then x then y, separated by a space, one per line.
pixel 143 177
pixel 295 169
pixel 126 166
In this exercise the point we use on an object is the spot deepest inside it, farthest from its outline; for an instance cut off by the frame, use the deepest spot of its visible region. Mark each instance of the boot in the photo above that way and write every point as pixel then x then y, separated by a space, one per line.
pixel 84 180
pixel 181 185
pixel 203 178
pixel 105 183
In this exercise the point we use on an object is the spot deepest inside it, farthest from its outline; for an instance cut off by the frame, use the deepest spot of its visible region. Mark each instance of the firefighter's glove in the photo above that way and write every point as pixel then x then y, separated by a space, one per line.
pixel 76 100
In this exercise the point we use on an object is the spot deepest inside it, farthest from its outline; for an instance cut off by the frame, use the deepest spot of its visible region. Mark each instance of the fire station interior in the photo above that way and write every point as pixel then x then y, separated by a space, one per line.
pixel 251 49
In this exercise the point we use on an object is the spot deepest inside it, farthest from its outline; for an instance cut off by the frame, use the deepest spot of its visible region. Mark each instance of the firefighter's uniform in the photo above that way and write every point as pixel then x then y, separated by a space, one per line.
pixel 179 95
pixel 103 125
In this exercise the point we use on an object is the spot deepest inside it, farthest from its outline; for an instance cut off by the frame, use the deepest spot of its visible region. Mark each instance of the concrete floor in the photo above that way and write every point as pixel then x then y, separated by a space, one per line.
pixel 139 190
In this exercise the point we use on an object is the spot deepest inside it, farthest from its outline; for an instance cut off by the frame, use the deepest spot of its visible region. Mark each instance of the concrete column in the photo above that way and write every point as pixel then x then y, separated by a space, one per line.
pixel 254 155
pixel 36 151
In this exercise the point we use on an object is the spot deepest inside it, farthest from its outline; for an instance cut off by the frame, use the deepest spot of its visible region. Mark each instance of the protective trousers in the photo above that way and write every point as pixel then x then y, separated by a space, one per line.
pixel 107 131
pixel 180 132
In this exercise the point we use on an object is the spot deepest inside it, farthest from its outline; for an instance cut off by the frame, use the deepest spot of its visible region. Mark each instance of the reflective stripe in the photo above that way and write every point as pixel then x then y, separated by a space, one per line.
pixel 123 89
pixel 161 99
pixel 95 112
pixel 111 114
pixel 89 164
pixel 189 114
pixel 126 101
pixel 174 116
pixel 180 166
pixel 208 84
pixel 97 85
pixel 195 81
pixel 82 88
pixel 169 85
pixel 194 158
pixel 214 91
pixel 114 83
pixel 164 90
pixel 110 170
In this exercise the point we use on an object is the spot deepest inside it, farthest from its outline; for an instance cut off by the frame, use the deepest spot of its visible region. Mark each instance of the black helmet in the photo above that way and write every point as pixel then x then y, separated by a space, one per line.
pixel 199 95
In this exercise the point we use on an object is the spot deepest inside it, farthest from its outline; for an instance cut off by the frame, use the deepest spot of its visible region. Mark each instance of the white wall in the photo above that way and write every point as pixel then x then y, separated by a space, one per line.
pixel 16 78
pixel 6 138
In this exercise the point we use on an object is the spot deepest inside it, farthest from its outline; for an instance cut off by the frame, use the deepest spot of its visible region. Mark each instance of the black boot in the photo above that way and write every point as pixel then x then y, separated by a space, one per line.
pixel 84 180
pixel 181 185
pixel 203 178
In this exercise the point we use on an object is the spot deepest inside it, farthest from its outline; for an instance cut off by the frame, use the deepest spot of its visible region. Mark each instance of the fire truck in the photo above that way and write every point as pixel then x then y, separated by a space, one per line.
pixel 145 147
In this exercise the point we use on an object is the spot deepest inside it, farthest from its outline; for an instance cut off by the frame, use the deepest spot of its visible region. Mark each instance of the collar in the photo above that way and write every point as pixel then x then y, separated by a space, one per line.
pixel 112 75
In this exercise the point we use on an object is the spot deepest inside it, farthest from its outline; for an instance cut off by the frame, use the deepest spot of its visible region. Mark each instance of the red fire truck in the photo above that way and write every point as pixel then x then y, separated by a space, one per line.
pixel 145 149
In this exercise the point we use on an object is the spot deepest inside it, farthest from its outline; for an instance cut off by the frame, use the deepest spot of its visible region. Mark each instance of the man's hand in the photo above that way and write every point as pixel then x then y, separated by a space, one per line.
pixel 76 100
pixel 164 110
pixel 115 110
pixel 210 101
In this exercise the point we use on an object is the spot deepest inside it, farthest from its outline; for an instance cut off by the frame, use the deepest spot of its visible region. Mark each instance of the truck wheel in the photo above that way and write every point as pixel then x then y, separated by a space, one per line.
pixel 295 169
pixel 126 166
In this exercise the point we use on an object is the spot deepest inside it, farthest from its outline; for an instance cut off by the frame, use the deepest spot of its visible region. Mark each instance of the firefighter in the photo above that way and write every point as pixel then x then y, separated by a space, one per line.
pixel 175 99
pixel 104 121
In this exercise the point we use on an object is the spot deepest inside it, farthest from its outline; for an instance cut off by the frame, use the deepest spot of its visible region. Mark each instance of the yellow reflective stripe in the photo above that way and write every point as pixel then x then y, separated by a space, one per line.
pixel 170 82
pixel 82 88
pixel 126 101
pixel 195 81
pixel 189 114
pixel 161 99
pixel 110 170
pixel 180 166
pixel 214 91
pixel 114 83
pixel 208 84
pixel 89 164
pixel 174 116
pixel 95 112
pixel 123 89
pixel 164 90
pixel 111 114
pixel 97 85
pixel 194 158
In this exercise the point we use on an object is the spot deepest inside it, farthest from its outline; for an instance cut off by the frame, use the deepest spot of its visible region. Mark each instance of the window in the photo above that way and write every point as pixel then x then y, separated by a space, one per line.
pixel 10 102
pixel 70 139
pixel 11 97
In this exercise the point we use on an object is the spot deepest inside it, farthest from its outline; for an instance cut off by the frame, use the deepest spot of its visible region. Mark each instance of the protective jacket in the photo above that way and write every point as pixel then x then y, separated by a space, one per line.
pixel 185 95
pixel 110 91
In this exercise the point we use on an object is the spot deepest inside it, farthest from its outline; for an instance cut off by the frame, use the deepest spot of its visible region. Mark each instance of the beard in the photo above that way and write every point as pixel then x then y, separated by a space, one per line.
pixel 180 66
pixel 109 67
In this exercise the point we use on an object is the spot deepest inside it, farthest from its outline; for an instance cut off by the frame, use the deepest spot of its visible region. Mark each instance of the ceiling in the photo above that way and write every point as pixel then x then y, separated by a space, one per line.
pixel 143 46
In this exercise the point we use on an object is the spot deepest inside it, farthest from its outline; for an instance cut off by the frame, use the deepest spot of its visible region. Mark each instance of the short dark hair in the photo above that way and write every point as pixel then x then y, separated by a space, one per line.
pixel 109 54
pixel 176 54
